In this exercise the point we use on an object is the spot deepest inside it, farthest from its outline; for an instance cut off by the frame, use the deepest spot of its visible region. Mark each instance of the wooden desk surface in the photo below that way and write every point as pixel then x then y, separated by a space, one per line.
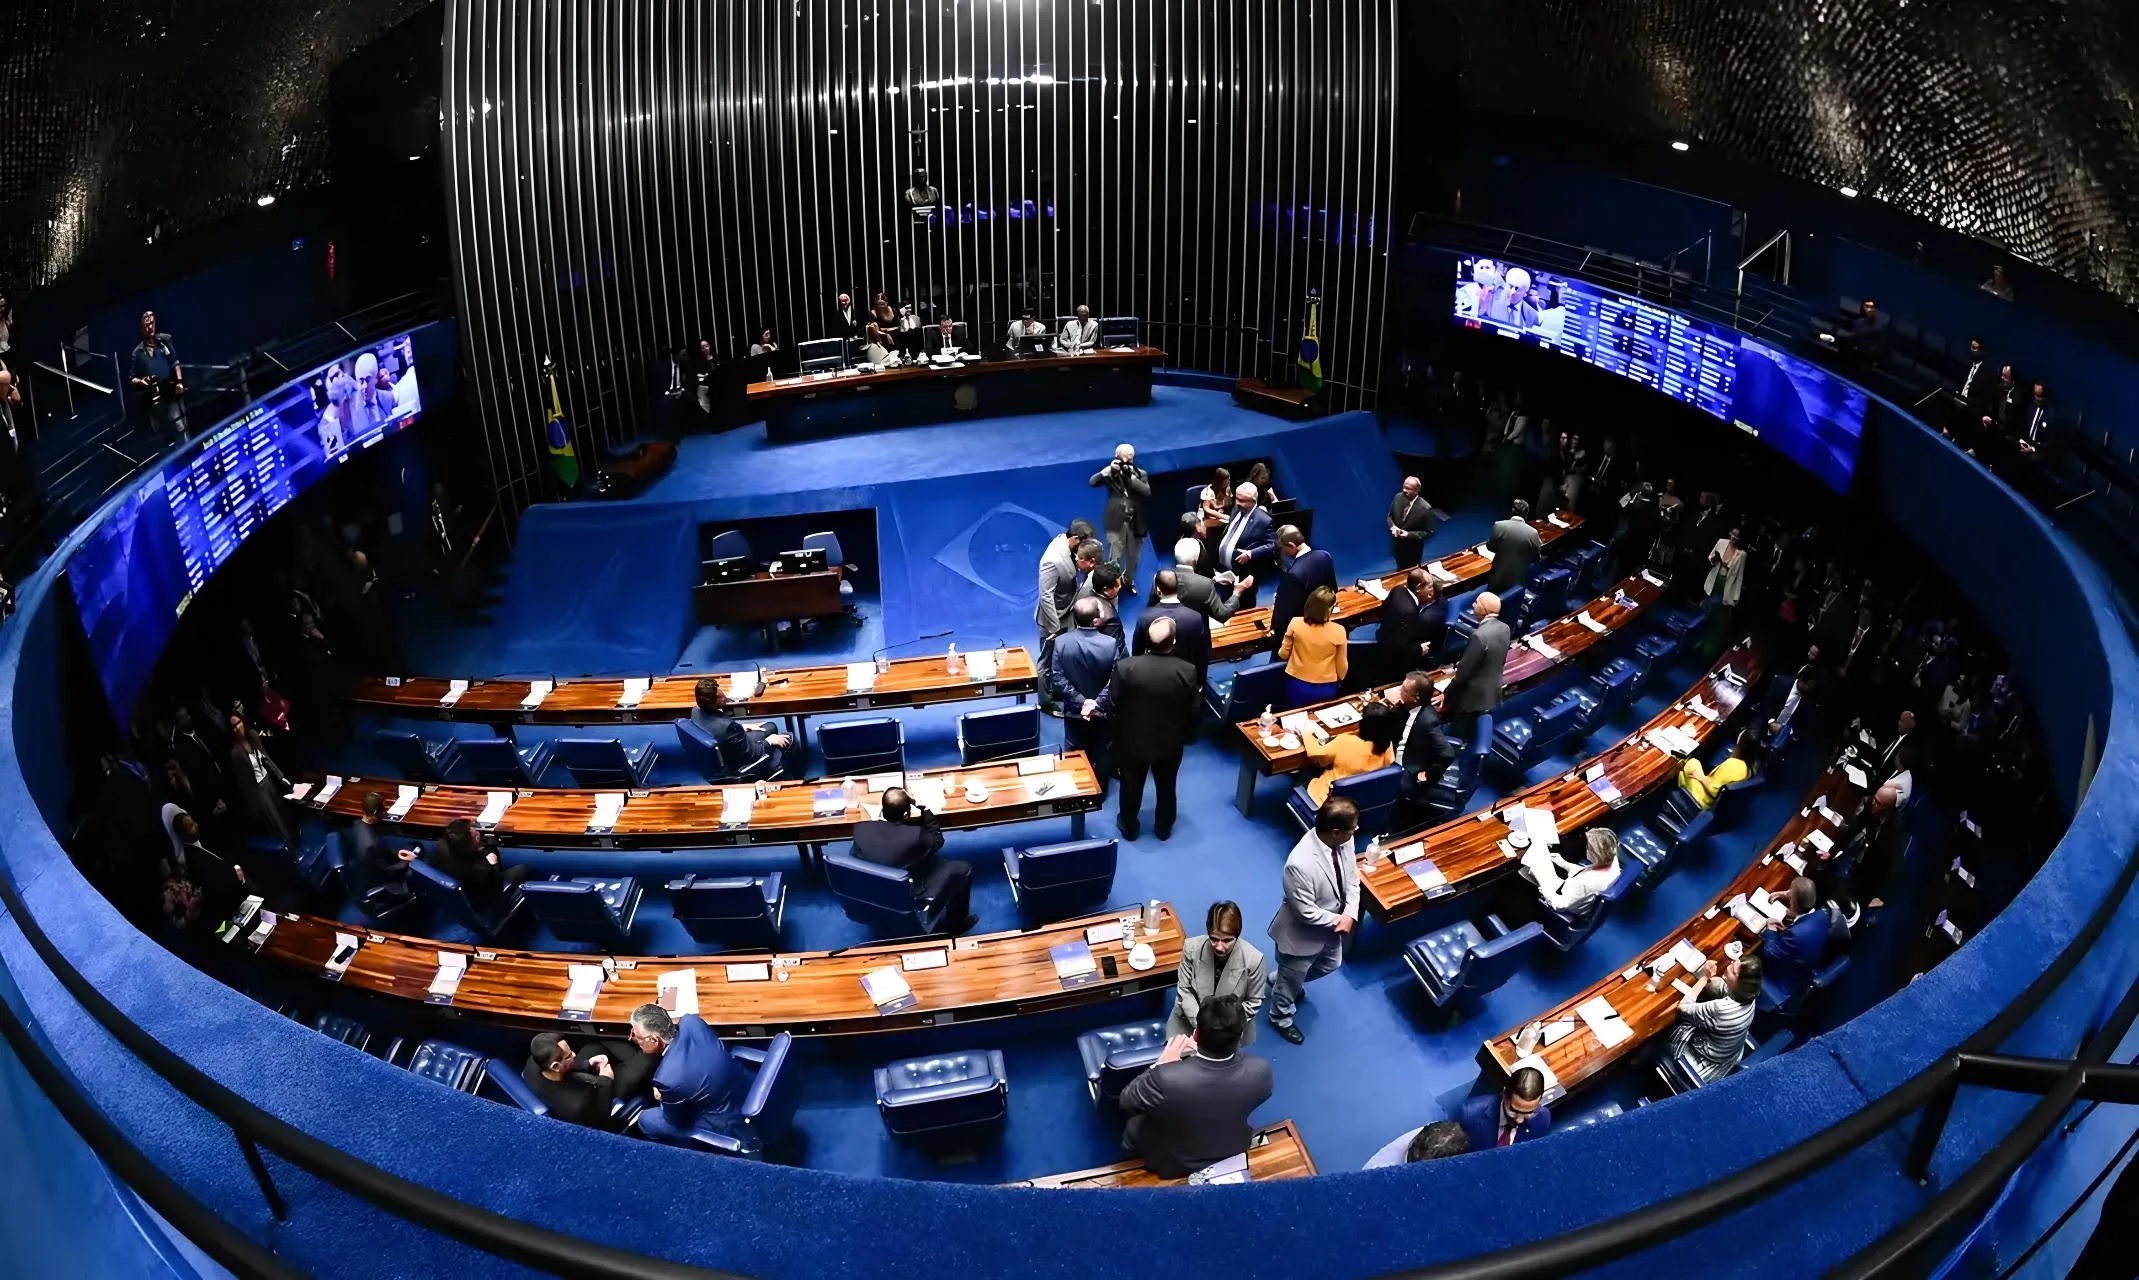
pixel 1578 1056
pixel 1567 636
pixel 1249 629
pixel 807 385
pixel 690 817
pixel 1275 1152
pixel 1467 849
pixel 995 975
pixel 790 691
pixel 769 597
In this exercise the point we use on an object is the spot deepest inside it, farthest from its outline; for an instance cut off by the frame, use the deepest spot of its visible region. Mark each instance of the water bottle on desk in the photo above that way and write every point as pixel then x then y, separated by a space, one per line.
pixel 1152 915
pixel 883 664
pixel 1268 721
pixel 1374 853
pixel 950 659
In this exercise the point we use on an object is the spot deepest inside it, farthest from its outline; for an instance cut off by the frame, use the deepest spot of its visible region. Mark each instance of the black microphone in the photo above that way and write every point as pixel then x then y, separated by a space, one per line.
pixel 926 635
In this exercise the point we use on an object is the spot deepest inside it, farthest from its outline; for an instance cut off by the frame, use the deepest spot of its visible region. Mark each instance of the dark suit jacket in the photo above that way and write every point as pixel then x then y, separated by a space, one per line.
pixel 478 875
pixel 370 862
pixel 1402 627
pixel 911 846
pixel 1313 569
pixel 584 1096
pixel 739 746
pixel 1481 1122
pixel 1203 595
pixel 1477 682
pixel 1256 538
pixel 1127 488
pixel 1083 659
pixel 1515 546
pixel 1427 750
pixel 1193 1113
pixel 1794 953
pixel 1192 635
pixel 837 325
pixel 1412 515
pixel 1151 700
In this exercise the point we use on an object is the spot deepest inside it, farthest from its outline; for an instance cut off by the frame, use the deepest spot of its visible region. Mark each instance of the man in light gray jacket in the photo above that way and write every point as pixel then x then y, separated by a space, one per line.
pixel 1320 910
pixel 1219 963
pixel 1058 589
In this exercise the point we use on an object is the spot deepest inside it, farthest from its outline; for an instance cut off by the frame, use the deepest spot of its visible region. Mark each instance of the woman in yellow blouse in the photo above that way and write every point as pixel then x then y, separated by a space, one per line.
pixel 1314 651
pixel 1345 754
pixel 1704 785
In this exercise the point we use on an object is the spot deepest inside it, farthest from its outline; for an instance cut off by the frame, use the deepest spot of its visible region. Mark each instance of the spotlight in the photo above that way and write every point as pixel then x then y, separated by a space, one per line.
pixel 1851 192
pixel 264 201
pixel 1679 146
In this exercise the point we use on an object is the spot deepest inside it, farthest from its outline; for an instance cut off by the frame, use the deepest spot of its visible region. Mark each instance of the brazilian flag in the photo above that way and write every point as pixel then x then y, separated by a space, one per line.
pixel 562 455
pixel 1310 358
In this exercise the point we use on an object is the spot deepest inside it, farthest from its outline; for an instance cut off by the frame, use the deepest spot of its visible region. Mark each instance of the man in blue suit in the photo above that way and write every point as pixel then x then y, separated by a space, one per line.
pixel 1795 947
pixel 1084 658
pixel 696 1082
pixel 1191 630
pixel 1246 547
pixel 1303 569
pixel 1517 1114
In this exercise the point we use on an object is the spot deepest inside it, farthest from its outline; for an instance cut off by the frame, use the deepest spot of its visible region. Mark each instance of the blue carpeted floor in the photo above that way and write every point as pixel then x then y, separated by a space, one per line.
pixel 1378 1059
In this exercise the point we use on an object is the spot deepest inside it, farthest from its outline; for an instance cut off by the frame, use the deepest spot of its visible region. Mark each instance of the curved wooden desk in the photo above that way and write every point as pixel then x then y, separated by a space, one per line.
pixel 1467 849
pixel 789 692
pixel 1275 1152
pixel 1249 629
pixel 810 993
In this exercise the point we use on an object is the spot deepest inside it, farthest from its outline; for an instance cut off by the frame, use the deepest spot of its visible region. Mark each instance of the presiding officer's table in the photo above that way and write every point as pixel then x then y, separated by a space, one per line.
pixel 765 598
pixel 1472 849
pixel 750 994
pixel 1249 629
pixel 789 692
pixel 1275 1152
pixel 855 400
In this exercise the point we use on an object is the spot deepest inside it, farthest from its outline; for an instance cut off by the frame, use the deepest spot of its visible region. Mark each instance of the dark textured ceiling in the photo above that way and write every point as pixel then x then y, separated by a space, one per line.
pixel 119 114
pixel 2009 120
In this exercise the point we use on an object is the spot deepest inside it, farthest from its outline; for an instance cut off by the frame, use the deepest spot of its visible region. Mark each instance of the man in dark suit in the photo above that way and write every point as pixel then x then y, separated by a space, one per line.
pixel 743 748
pixel 1084 661
pixel 2035 423
pixel 1423 751
pixel 1972 399
pixel 370 862
pixel 1515 547
pixel 1246 547
pixel 845 319
pixel 2002 418
pixel 1410 524
pixel 1476 686
pixel 1410 625
pixel 1192 634
pixel 1865 334
pixel 906 837
pixel 1103 584
pixel 1302 569
pixel 1516 1114
pixel 1151 699
pixel 1127 490
pixel 462 855
pixel 1796 946
pixel 195 753
pixel 580 1083
pixel 1213 599
pixel 1190 1109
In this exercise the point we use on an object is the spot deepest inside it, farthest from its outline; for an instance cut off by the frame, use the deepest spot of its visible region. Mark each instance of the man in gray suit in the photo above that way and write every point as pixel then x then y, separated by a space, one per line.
pixel 1476 686
pixel 1207 596
pixel 1058 589
pixel 1314 922
pixel 1190 1109
pixel 1515 547
pixel 1127 487
pixel 1218 963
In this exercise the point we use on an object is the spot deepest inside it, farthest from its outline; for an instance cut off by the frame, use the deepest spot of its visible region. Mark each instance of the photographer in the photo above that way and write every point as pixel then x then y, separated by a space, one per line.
pixel 1127 487
pixel 161 382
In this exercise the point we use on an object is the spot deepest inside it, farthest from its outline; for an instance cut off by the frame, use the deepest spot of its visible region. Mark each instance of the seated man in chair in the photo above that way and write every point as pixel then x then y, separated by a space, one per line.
pixel 695 1080
pixel 741 745
pixel 906 838
pixel 579 1083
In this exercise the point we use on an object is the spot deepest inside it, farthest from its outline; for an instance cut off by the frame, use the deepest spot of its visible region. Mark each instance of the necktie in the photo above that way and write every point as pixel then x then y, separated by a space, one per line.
pixel 1507 1133
pixel 1336 868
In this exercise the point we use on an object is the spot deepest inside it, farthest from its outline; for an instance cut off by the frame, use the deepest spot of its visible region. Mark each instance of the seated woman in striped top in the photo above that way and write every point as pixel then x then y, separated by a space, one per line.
pixel 1715 1016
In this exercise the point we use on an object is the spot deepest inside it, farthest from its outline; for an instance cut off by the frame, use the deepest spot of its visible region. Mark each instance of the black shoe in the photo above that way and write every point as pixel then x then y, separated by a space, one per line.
pixel 1291 1033
pixel 1128 828
pixel 1164 832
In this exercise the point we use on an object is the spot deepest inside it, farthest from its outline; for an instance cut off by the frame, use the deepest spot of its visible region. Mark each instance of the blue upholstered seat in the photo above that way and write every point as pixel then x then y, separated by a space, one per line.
pixel 1585 562
pixel 853 747
pixel 1612 688
pixel 704 754
pixel 342 1027
pixel 448 1064
pixel 1464 957
pixel 1454 788
pixel 1823 977
pixel 1645 853
pixel 731 911
pixel 1567 929
pixel 880 896
pixel 603 762
pixel 496 762
pixel 727 544
pixel 949 1094
pixel 1244 694
pixel 1521 741
pixel 1051 881
pixel 1596 1116
pixel 585 909
pixel 1585 703
pixel 319 861
pixel 1113 1056
pixel 1362 668
pixel 1682 620
pixel 414 757
pixel 1002 733
pixel 1680 1076
pixel 834 556
pixel 446 897
pixel 1374 791
pixel 767 1112
pixel 1548 592
pixel 1655 653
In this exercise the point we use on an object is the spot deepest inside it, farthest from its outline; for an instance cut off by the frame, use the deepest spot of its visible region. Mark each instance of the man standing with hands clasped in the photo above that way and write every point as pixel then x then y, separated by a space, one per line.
pixel 1127 487
pixel 1314 922
pixel 1410 524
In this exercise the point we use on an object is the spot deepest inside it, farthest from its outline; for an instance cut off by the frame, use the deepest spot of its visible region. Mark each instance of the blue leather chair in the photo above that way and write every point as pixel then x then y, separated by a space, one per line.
pixel 851 747
pixel 1244 694
pixel 1654 653
pixel 1585 710
pixel 1548 591
pixel 1647 854
pixel 501 1082
pixel 496 762
pixel 731 911
pixel 448 899
pixel 1453 789
pixel 348 1030
pixel 767 1112
pixel 1680 1076
pixel 1113 1056
pixel 449 1065
pixel 945 1096
pixel 835 556
pixel 880 896
pixel 1053 881
pixel 1681 620
pixel 1521 741
pixel 319 861
pixel 413 757
pixel 1463 957
pixel 1822 978
pixel 727 544
pixel 603 762
pixel 1612 688
pixel 1003 733
pixel 1585 563
pixel 1374 791
pixel 704 753
pixel 586 910
pixel 1588 1119
pixel 1567 929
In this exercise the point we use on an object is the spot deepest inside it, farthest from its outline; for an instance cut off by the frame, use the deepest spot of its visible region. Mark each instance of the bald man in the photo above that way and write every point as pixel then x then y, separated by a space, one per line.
pixel 1410 524
pixel 1151 700
pixel 1476 686
pixel 1866 860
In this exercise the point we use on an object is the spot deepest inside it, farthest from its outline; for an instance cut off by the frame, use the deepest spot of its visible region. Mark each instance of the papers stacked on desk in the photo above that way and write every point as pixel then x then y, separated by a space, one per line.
pixel 1537 642
pixel 1703 710
pixel 1544 829
pixel 1231 1171
pixel 263 928
pixel 980 665
pixel 299 792
pixel 1426 876
pixel 735 805
pixel 1767 905
pixel 861 677
pixel 1605 790
pixel 584 985
pixel 1057 783
pixel 1651 578
pixel 454 690
pixel 1031 765
pixel 452 967
pixel 1337 717
pixel 318 797
pixel 1687 956
pixel 1440 573
pixel 743 685
pixel 887 990
pixel 1373 587
pixel 927 792
pixel 1604 1022
pixel 1298 727
pixel 1820 840
pixel 404 800
pixel 608 806
pixel 1073 963
pixel 1746 914
pixel 1482 553
pixel 1856 776
pixel 1671 740
pixel 494 806
pixel 677 991
pixel 1587 621
pixel 537 690
pixel 1554 518
pixel 635 689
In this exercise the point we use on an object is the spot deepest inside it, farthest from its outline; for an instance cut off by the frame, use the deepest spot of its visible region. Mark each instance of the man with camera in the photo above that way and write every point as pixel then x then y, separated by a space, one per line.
pixel 1127 487
pixel 160 381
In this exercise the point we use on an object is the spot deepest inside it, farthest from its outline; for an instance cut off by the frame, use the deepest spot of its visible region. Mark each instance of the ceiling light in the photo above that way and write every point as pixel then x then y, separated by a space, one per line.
pixel 1851 192
pixel 264 201
pixel 1679 146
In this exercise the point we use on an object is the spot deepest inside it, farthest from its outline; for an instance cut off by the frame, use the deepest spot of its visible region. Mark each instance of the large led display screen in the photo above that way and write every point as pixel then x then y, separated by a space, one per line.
pixel 140 568
pixel 1808 415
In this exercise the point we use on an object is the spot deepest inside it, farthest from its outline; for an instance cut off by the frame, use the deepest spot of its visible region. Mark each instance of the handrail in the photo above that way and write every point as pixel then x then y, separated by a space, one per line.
pixel 494 1233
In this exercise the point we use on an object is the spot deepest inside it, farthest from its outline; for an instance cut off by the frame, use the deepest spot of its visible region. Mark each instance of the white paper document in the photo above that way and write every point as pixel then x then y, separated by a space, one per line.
pixel 1820 840
pixel 454 690
pixel 327 789
pixel 677 991
pixel 494 806
pixel 1231 1171
pixel 607 806
pixel 1587 621
pixel 1440 572
pixel 1033 765
pixel 1481 552
pixel 1687 956
pixel 735 806
pixel 584 985
pixel 1703 710
pixel 537 690
pixel 1856 776
pixel 1537 642
pixel 635 690
pixel 936 959
pixel 1337 717
pixel 1544 829
pixel 1651 578
pixel 1373 587
pixel 980 664
pixel 927 792
pixel 861 677
pixel 743 685
pixel 1555 520
pixel 1604 1022
pixel 452 965
pixel 759 972
pixel 404 800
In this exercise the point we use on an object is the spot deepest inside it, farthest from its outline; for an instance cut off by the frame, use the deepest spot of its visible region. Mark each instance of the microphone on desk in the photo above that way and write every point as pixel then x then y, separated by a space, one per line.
pixel 926 635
